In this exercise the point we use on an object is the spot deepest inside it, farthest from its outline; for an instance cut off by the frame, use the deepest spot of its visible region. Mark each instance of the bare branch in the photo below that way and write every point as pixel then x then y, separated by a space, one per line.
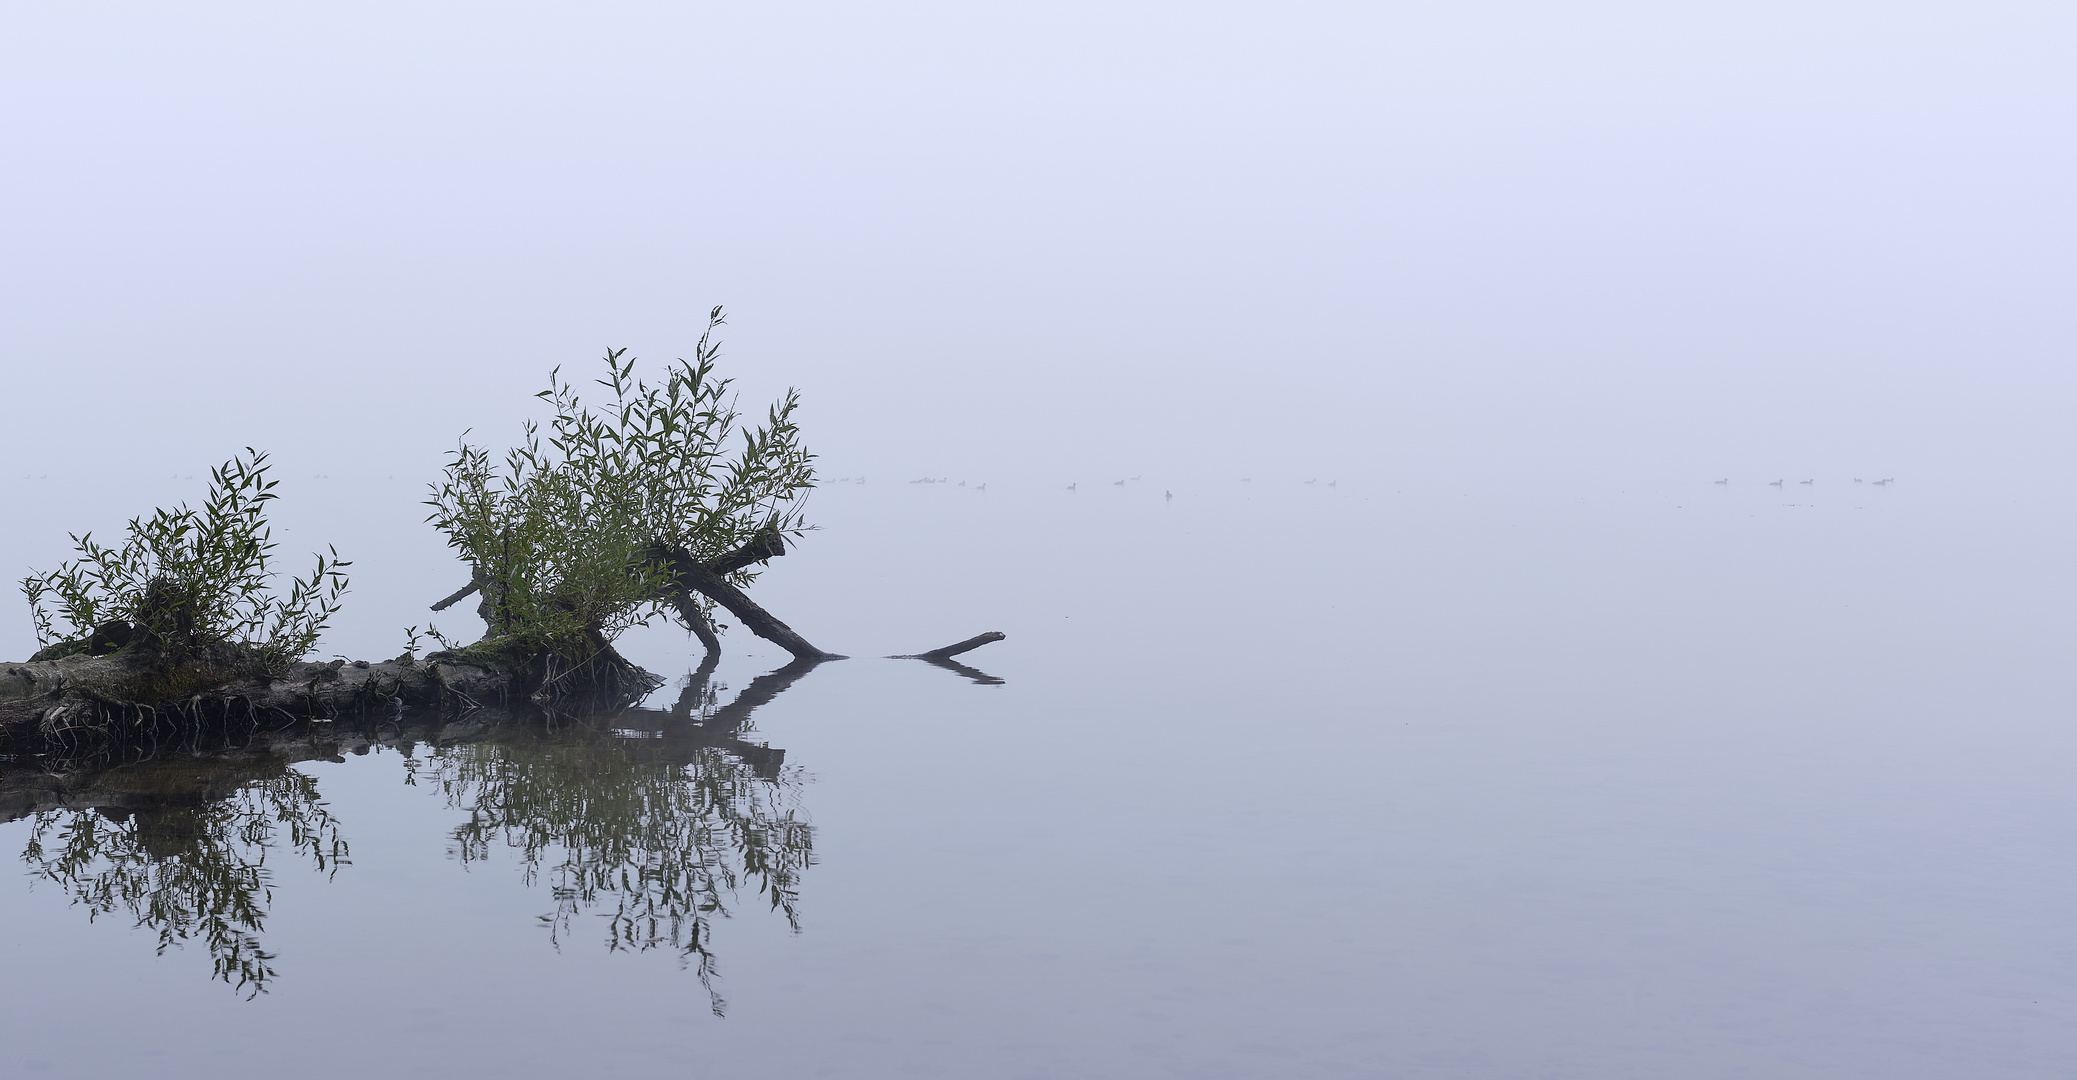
pixel 954 649
pixel 458 596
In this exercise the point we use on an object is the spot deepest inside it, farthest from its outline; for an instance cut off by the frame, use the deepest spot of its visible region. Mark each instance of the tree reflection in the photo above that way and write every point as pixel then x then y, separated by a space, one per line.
pixel 661 818
pixel 657 819
pixel 187 861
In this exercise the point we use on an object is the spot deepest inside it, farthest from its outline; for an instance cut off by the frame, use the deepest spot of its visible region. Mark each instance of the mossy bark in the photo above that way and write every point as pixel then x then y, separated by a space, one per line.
pixel 100 697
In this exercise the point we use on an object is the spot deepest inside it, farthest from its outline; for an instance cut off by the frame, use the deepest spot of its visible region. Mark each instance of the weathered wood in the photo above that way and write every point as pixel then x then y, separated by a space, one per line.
pixel 458 596
pixel 687 575
pixel 769 544
pixel 695 620
pixel 765 545
pixel 94 695
pixel 760 692
pixel 754 618
pixel 954 649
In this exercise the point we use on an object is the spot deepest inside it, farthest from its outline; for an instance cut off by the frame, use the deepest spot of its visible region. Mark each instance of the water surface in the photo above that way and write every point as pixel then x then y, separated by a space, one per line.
pixel 1269 779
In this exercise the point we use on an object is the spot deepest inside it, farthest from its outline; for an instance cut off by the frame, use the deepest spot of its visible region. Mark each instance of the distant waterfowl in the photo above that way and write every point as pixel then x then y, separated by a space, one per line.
pixel 1725 480
pixel 1166 495
pixel 1117 483
pixel 1070 487
pixel 1773 483
pixel 1808 481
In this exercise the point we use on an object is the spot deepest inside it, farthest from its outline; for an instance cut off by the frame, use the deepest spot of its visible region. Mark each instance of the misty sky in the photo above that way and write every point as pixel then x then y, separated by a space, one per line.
pixel 1053 242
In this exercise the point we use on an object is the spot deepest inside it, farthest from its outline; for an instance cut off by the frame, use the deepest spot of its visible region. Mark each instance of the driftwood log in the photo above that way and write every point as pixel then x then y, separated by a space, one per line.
pixel 91 697
pixel 954 649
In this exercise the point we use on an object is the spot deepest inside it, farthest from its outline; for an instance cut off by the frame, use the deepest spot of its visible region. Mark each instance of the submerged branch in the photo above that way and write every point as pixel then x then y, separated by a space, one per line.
pixel 954 649
pixel 754 618
pixel 687 575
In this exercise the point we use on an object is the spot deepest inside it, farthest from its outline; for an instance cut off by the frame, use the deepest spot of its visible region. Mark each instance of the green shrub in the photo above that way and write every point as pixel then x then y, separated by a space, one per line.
pixel 185 579
pixel 563 537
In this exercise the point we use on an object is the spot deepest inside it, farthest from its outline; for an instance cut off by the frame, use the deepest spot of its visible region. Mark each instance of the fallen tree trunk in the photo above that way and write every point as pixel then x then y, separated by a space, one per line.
pixel 688 575
pixel 80 697
pixel 754 618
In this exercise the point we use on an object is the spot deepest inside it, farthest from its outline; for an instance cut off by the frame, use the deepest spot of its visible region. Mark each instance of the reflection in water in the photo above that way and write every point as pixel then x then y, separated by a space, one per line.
pixel 954 666
pixel 661 815
pixel 182 848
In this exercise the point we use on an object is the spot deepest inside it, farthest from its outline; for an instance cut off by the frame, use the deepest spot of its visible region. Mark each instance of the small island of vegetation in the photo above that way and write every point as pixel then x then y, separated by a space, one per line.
pixel 661 502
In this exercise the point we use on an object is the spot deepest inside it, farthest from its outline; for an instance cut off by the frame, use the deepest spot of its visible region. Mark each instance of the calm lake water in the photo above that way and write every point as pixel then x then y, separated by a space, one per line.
pixel 1270 779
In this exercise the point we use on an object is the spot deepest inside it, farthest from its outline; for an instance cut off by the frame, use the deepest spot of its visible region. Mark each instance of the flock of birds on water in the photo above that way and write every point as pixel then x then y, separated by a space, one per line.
pixel 1170 494
pixel 1165 495
pixel 1121 483
pixel 1857 480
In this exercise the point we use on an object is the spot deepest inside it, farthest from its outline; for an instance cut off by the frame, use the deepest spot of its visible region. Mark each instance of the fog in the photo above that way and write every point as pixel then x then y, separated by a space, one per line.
pixel 1396 691
pixel 1053 242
